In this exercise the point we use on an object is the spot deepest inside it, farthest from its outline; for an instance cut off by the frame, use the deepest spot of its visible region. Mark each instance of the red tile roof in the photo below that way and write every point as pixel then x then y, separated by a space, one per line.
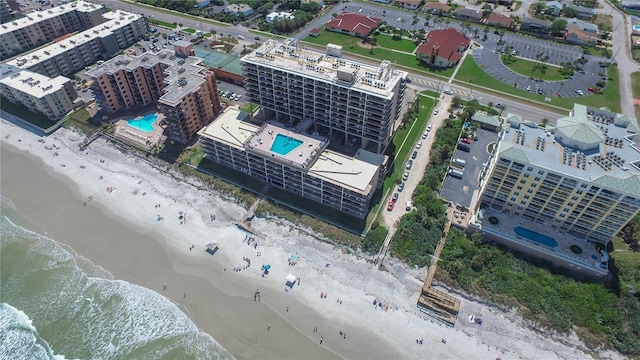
pixel 360 24
pixel 449 40
pixel 499 19
pixel 315 31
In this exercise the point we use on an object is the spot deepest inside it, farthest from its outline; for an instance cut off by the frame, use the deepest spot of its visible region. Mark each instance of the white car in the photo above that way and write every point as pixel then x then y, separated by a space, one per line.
pixel 419 145
pixel 436 111
pixel 429 128
pixel 448 91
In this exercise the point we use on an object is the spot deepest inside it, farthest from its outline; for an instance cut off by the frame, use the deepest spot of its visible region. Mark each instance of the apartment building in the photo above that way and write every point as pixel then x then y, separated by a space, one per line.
pixel 40 27
pixel 53 97
pixel 297 162
pixel 74 53
pixel 6 13
pixel 185 91
pixel 563 193
pixel 350 102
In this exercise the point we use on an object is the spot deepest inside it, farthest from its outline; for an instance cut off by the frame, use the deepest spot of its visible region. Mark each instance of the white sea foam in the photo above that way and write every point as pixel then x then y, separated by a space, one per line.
pixel 19 339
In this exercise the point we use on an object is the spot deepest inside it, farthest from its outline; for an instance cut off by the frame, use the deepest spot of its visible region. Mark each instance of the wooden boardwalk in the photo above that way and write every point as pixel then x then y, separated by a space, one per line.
pixel 87 140
pixel 436 303
pixel 245 221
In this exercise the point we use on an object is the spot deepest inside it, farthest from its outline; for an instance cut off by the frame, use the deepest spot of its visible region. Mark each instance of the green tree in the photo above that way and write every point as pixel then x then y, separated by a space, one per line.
pixel 558 27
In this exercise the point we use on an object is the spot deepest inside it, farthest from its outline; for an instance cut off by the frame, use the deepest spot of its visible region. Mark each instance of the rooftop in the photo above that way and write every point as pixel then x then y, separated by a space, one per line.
pixel 183 74
pixel 359 24
pixel 290 57
pixel 31 83
pixel 446 42
pixel 593 145
pixel 37 16
pixel 119 19
pixel 311 156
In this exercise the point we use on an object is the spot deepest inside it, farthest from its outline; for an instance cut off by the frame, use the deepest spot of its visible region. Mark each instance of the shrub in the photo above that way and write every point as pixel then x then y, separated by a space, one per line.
pixel 493 220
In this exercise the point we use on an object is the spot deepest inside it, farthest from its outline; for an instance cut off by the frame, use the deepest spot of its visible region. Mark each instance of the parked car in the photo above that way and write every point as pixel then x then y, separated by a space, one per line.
pixel 405 176
pixel 429 128
pixel 580 92
pixel 424 136
pixel 392 203
pixel 540 91
pixel 466 141
pixel 592 90
pixel 436 111
pixel 419 145
pixel 257 38
pixel 401 187
pixel 395 196
pixel 528 88
pixel 414 155
pixel 409 164
pixel 448 91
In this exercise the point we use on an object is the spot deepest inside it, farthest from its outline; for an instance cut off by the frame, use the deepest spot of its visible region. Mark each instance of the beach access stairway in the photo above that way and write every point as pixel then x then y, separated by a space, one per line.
pixel 245 221
pixel 435 303
pixel 87 140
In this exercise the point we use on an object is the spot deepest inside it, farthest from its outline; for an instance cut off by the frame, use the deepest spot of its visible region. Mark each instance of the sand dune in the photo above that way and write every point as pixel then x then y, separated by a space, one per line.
pixel 118 229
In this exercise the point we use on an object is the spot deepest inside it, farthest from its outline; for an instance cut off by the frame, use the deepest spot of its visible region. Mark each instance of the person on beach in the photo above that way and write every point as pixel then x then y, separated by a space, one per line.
pixel 321 340
pixel 164 287
pixel 269 327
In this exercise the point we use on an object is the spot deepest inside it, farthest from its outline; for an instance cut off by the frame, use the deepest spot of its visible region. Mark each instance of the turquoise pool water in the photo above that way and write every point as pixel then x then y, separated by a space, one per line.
pixel 284 144
pixel 145 124
pixel 535 236
pixel 636 27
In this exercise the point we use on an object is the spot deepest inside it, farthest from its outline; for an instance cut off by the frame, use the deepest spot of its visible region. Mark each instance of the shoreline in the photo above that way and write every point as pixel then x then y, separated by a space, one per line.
pixel 151 253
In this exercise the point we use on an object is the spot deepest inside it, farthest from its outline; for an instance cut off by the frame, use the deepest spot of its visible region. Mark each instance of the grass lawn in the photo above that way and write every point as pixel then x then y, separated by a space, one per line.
pixel 350 44
pixel 525 67
pixel 604 22
pixel 635 89
pixel 472 74
pixel 387 41
pixel 162 23
pixel 189 30
pixel 248 107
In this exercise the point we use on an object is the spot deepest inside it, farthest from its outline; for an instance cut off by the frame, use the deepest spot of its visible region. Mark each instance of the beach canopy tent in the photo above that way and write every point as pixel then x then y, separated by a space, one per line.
pixel 212 247
pixel 291 280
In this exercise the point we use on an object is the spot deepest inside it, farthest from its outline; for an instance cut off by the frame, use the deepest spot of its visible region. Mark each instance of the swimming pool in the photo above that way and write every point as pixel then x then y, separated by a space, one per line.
pixel 636 27
pixel 144 124
pixel 535 237
pixel 284 144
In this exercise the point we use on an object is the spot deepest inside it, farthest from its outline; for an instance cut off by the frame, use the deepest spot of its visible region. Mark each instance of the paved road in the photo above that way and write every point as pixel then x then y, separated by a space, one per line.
pixel 622 56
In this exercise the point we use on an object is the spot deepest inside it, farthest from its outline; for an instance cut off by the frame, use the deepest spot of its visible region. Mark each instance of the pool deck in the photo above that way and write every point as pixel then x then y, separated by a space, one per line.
pixel 302 156
pixel 507 224
pixel 139 138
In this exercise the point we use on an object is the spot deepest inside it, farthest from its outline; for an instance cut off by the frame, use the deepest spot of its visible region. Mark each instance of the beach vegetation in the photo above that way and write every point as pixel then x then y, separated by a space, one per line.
pixel 80 119
pixel 374 238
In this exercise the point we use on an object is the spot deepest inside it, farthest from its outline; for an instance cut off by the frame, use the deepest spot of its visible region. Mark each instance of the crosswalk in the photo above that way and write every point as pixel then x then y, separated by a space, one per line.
pixel 434 85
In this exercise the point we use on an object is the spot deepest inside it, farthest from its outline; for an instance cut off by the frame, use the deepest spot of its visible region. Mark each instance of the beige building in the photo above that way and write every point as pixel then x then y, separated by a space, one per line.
pixel 40 27
pixel 74 53
pixel 185 91
pixel 53 97
pixel 557 190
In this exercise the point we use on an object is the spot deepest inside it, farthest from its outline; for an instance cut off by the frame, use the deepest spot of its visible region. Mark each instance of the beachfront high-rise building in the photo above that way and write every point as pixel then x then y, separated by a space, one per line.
pixel 53 97
pixel 185 90
pixel 74 53
pixel 350 102
pixel 6 13
pixel 577 184
pixel 299 163
pixel 40 27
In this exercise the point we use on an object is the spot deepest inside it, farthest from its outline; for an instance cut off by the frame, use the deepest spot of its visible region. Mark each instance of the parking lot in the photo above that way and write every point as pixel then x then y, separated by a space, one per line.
pixel 460 191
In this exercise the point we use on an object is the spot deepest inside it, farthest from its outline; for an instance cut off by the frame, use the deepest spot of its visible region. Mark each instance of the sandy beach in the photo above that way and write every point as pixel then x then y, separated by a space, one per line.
pixel 148 228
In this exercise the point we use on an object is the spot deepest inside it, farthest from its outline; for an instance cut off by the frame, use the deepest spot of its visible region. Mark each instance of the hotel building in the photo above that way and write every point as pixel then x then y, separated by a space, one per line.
pixel 563 193
pixel 40 27
pixel 53 97
pixel 296 162
pixel 74 53
pixel 347 101
pixel 185 91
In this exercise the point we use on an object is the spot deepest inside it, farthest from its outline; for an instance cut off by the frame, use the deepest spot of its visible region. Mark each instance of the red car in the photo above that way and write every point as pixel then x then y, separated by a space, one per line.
pixel 466 141
pixel 592 90
pixel 392 203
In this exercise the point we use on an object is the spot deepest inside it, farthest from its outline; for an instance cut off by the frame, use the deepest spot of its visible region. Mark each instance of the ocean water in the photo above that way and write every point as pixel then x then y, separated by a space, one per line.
pixel 54 305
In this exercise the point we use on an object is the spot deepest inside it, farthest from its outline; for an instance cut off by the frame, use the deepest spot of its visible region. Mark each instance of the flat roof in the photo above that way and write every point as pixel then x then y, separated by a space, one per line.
pixel 583 127
pixel 289 56
pixel 119 19
pixel 37 16
pixel 354 173
pixel 183 74
pixel 31 83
